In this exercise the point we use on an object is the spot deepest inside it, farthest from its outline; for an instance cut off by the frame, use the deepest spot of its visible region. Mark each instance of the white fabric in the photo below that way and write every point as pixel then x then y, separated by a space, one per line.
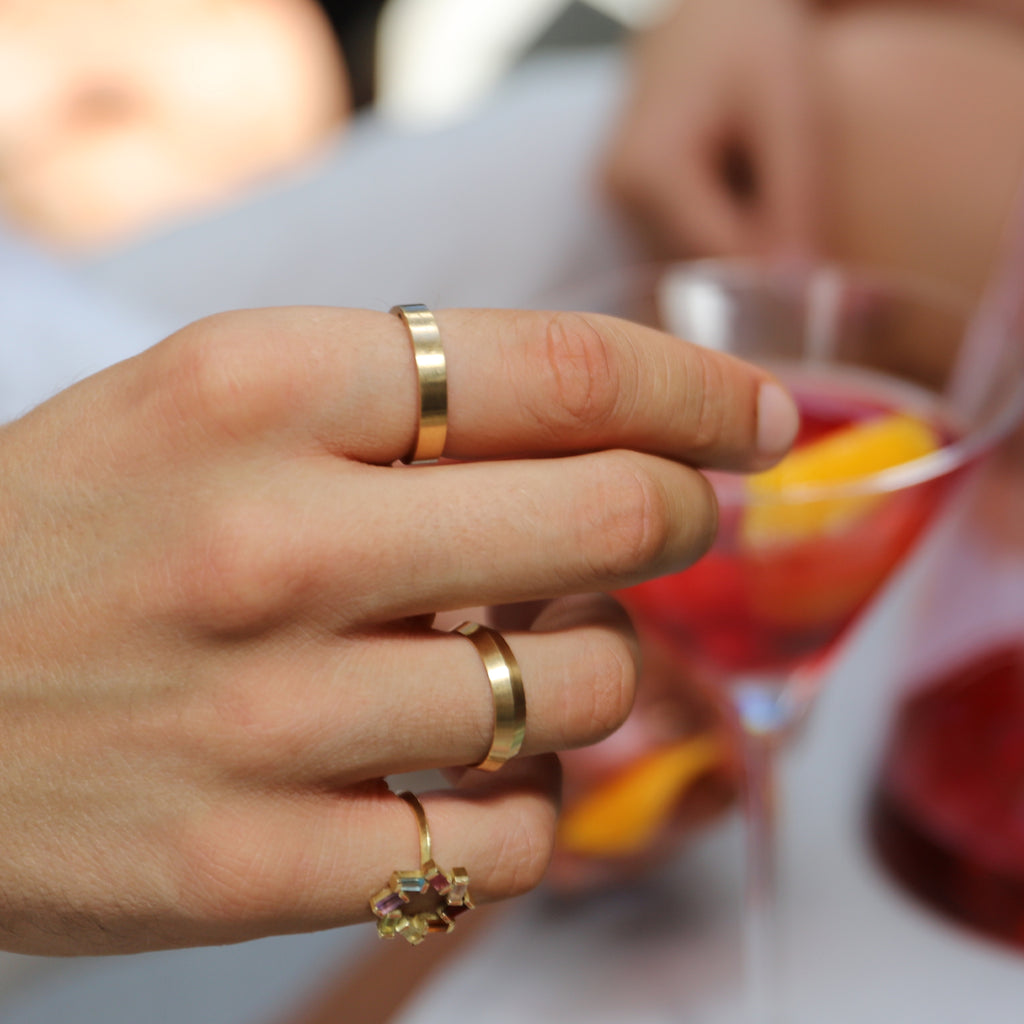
pixel 54 329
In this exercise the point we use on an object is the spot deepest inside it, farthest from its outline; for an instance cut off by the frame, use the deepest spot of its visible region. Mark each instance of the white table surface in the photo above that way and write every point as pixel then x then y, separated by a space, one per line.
pixel 501 211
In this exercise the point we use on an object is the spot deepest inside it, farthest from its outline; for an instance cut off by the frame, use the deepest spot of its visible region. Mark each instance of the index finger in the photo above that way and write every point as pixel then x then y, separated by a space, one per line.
pixel 520 383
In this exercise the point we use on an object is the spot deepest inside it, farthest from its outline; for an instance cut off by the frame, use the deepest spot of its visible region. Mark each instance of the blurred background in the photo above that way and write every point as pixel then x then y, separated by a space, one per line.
pixel 120 115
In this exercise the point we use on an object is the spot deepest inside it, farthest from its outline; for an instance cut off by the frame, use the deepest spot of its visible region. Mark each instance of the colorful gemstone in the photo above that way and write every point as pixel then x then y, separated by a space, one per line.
pixel 412 929
pixel 389 903
pixel 450 890
pixel 409 882
pixel 439 883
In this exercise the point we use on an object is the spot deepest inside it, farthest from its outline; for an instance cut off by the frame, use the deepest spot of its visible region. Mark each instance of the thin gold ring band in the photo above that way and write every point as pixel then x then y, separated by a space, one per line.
pixel 421 821
pixel 507 690
pixel 432 423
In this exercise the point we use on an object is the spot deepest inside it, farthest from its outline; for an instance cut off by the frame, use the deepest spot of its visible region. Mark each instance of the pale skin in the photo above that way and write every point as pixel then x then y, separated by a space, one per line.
pixel 215 631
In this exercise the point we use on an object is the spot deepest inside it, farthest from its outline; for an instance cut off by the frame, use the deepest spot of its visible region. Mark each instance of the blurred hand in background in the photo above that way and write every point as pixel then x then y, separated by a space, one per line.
pixel 714 153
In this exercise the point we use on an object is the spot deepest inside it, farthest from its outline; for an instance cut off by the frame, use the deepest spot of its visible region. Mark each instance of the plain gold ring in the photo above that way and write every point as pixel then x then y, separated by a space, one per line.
pixel 432 423
pixel 507 690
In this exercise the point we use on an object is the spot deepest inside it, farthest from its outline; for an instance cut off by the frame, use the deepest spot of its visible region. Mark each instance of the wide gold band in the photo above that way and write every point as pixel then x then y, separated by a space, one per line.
pixel 432 426
pixel 507 689
pixel 424 900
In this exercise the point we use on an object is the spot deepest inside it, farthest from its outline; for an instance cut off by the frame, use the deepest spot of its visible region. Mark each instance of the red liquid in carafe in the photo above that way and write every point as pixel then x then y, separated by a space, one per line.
pixel 947 818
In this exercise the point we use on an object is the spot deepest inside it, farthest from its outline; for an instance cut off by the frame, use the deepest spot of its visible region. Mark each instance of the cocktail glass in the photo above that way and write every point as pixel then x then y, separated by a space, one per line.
pixel 797 562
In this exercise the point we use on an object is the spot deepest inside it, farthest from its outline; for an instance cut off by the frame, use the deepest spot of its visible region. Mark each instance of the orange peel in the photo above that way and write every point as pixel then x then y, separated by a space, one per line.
pixel 624 814
pixel 842 457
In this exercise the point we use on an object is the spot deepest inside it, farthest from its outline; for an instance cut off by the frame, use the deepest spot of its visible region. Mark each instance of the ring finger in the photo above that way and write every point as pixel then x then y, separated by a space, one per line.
pixel 389 701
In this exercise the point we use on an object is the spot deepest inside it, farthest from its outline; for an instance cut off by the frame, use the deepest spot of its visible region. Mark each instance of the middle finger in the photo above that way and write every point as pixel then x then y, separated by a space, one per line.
pixel 459 535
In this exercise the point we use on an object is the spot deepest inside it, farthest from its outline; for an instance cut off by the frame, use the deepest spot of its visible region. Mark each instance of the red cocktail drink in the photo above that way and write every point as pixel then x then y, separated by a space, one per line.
pixel 763 603
pixel 803 549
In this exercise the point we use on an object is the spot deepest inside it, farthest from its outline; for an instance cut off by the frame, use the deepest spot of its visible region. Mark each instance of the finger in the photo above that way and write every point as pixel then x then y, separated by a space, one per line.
pixel 699 205
pixel 519 382
pixel 667 171
pixel 287 863
pixel 788 178
pixel 525 530
pixel 571 382
pixel 333 714
pixel 439 539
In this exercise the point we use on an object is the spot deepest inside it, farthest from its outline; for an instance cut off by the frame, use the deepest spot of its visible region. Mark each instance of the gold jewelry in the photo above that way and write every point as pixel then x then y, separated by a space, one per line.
pixel 507 689
pixel 415 904
pixel 432 423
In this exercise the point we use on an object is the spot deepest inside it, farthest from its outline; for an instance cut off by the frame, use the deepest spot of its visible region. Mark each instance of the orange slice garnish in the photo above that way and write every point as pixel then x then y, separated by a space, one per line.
pixel 842 457
pixel 625 813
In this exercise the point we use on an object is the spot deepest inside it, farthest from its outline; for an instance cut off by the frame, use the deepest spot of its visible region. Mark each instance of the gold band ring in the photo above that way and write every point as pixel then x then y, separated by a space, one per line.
pixel 418 903
pixel 507 689
pixel 421 822
pixel 432 422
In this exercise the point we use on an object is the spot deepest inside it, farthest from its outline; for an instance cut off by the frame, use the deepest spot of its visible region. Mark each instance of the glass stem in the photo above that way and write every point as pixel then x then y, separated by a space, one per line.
pixel 762 938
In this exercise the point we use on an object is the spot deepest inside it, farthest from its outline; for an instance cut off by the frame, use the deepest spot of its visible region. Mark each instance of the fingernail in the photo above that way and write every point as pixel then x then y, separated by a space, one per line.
pixel 778 420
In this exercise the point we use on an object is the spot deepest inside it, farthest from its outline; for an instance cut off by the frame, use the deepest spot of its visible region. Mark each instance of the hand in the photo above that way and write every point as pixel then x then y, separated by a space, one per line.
pixel 714 154
pixel 217 595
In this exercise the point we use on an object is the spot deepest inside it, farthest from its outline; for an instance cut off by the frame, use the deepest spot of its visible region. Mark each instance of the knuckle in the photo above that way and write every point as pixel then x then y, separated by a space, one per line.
pixel 224 380
pixel 583 368
pixel 606 673
pixel 202 373
pixel 631 522
pixel 705 392
pixel 246 726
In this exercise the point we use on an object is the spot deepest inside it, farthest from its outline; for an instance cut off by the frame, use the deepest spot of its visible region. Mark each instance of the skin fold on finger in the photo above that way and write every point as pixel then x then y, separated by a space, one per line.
pixel 674 185
pixel 312 716
pixel 295 863
pixel 702 204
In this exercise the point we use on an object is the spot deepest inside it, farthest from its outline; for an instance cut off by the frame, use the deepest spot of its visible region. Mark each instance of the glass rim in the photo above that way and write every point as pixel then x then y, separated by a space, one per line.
pixel 976 440
pixel 732 489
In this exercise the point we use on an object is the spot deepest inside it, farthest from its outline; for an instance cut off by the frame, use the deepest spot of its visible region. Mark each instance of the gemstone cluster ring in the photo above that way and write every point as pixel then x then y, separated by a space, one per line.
pixel 421 902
